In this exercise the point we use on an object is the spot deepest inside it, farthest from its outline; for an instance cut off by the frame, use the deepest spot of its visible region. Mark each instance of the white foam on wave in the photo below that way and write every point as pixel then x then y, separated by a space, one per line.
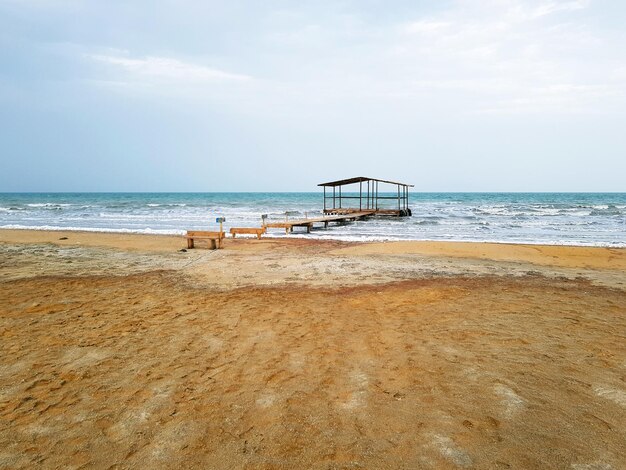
pixel 48 204
pixel 448 238
pixel 166 205
pixel 329 236
pixel 57 228
pixel 520 220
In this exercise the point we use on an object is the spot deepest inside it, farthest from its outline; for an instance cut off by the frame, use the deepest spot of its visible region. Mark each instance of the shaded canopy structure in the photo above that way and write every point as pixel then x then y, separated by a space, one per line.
pixel 394 202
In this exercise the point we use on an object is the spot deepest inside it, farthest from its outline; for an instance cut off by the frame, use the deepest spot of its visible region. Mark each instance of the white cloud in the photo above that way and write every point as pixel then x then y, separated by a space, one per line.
pixel 553 7
pixel 618 74
pixel 168 69
pixel 566 98
pixel 474 56
pixel 508 55
pixel 426 27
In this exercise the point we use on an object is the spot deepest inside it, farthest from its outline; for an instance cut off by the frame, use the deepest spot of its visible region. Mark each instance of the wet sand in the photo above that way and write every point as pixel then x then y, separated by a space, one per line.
pixel 119 351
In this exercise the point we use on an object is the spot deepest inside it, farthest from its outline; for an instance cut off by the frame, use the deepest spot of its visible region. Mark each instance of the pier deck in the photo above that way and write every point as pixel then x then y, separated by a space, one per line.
pixel 288 225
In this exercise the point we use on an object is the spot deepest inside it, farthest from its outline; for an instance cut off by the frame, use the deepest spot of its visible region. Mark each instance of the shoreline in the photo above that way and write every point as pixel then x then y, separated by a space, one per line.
pixel 330 237
pixel 613 258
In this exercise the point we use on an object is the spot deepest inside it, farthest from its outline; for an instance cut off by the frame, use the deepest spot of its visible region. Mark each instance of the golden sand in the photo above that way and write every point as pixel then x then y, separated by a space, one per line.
pixel 546 255
pixel 119 351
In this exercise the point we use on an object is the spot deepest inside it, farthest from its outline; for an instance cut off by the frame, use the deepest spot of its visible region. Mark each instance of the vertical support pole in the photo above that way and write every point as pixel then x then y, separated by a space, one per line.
pixel 376 195
pixel 360 195
pixel 339 197
pixel 368 194
pixel 324 198
pixel 398 199
pixel 334 205
pixel 407 198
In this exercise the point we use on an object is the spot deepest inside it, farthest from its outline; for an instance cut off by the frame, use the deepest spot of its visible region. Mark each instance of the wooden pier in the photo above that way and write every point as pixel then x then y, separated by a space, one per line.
pixel 348 216
pixel 394 202
pixel 370 202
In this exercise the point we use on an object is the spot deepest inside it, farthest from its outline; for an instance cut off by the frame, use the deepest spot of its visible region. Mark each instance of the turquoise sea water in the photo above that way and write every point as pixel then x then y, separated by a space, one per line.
pixel 552 218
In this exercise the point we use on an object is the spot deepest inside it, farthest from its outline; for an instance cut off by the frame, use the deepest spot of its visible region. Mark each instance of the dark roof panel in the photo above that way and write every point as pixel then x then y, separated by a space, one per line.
pixel 358 179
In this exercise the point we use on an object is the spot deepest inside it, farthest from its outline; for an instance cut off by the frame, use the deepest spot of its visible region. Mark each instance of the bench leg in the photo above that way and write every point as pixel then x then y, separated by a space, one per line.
pixel 234 235
pixel 258 235
pixel 190 243
pixel 212 244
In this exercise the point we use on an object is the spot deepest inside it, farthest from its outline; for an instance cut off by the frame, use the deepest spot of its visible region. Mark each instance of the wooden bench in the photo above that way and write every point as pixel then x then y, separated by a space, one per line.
pixel 213 238
pixel 248 230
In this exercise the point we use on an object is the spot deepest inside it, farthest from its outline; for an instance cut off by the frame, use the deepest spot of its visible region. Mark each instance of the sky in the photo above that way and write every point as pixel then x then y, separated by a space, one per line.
pixel 474 95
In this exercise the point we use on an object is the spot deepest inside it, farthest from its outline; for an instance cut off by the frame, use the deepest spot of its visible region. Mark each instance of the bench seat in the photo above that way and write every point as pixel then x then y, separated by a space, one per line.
pixel 247 230
pixel 214 238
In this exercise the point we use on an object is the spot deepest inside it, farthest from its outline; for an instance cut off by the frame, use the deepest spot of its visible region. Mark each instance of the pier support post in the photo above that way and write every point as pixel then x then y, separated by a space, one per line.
pixel 398 200
pixel 360 195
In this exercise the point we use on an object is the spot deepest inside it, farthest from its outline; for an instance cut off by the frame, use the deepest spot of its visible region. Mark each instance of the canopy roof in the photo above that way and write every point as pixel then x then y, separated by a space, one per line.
pixel 359 179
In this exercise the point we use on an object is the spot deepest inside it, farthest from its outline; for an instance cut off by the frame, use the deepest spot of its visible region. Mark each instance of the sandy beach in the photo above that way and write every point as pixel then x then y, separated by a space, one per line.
pixel 121 351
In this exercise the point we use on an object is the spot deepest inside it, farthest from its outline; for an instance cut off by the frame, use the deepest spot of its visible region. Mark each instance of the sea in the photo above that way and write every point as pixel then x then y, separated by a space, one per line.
pixel 588 219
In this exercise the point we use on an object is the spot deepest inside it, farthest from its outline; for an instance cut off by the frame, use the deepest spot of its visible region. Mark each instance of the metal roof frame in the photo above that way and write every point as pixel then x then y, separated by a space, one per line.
pixel 360 179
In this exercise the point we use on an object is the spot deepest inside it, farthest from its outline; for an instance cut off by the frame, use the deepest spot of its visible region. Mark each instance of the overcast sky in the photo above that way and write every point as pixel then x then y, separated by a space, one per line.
pixel 476 95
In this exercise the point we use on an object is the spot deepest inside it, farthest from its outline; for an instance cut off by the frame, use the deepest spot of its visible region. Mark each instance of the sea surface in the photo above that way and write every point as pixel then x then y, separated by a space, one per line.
pixel 592 219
